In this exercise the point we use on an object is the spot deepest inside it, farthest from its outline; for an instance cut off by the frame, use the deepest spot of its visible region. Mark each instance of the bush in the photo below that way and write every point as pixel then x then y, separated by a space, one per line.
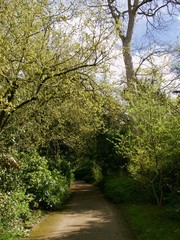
pixel 63 166
pixel 122 188
pixel 14 210
pixel 97 173
pixel 29 186
pixel 54 192
pixel 49 188
pixel 7 234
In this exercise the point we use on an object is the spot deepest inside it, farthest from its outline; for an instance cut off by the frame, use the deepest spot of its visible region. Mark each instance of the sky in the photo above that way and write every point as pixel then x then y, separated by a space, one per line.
pixel 173 28
pixel 170 35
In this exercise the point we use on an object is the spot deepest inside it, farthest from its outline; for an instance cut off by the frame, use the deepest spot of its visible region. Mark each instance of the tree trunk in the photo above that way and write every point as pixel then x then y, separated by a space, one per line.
pixel 125 36
pixel 127 56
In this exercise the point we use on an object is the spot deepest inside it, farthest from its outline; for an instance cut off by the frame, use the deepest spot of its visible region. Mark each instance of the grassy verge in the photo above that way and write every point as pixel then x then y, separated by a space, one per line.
pixel 152 223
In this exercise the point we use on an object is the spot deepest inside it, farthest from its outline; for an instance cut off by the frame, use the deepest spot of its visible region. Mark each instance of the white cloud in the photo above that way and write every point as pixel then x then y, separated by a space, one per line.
pixel 178 18
pixel 161 63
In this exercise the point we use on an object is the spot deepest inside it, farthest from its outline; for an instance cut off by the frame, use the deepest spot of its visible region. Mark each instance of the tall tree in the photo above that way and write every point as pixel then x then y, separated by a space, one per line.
pixel 42 42
pixel 125 15
pixel 151 142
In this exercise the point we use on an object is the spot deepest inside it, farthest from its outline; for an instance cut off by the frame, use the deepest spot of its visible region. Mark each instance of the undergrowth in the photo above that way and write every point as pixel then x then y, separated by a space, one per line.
pixel 153 223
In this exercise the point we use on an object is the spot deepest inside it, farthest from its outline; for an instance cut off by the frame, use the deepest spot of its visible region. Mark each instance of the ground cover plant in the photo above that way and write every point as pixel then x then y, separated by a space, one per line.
pixel 150 222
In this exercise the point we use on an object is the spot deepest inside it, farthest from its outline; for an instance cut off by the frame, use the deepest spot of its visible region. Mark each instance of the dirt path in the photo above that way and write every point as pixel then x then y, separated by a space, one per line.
pixel 87 216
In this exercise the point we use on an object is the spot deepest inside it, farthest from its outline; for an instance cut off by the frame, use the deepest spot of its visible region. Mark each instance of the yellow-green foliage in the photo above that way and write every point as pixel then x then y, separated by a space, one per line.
pixel 152 140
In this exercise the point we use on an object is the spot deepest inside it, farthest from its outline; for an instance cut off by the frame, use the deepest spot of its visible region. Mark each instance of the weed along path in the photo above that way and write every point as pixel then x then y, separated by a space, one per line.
pixel 87 216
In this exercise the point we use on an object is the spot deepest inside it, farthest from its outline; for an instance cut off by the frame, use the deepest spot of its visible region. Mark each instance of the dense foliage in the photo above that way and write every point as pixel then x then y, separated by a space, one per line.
pixel 27 187
pixel 51 105
pixel 152 141
pixel 61 114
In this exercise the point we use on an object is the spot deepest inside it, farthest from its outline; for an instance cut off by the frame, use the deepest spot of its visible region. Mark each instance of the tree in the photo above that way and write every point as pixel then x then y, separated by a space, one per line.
pixel 51 100
pixel 125 14
pixel 125 19
pixel 35 40
pixel 151 143
pixel 71 114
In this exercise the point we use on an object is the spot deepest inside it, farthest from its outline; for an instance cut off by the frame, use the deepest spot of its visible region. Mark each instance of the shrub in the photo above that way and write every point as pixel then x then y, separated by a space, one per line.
pixel 54 192
pixel 7 234
pixel 97 173
pixel 122 188
pixel 32 184
pixel 63 166
pixel 14 210
pixel 49 188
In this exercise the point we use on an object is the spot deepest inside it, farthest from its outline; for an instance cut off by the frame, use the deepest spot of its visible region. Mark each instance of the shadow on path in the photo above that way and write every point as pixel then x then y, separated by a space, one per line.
pixel 87 216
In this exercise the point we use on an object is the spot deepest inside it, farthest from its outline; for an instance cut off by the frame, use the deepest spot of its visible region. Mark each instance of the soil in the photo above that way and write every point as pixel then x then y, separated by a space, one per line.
pixel 87 216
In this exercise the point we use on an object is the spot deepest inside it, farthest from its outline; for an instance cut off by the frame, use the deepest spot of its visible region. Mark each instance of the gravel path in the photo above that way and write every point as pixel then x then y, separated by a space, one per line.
pixel 87 216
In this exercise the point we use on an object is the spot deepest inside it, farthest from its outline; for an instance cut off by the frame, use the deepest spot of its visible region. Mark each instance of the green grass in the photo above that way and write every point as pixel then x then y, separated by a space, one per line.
pixel 152 223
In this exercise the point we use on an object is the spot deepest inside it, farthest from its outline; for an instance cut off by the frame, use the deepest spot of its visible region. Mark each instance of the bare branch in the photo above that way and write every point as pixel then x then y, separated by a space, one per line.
pixel 152 12
pixel 116 17
pixel 141 4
